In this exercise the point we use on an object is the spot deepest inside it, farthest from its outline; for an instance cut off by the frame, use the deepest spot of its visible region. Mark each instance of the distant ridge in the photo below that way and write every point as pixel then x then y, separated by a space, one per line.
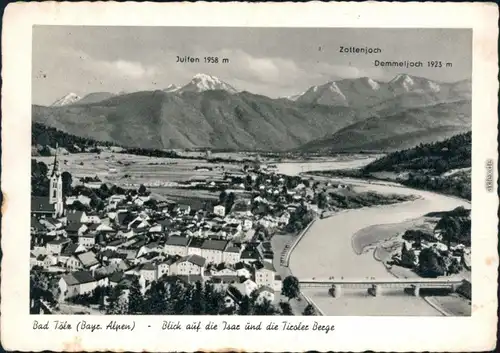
pixel 208 112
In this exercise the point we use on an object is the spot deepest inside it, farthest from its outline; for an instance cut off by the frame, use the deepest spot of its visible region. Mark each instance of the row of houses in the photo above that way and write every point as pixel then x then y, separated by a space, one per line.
pixel 191 268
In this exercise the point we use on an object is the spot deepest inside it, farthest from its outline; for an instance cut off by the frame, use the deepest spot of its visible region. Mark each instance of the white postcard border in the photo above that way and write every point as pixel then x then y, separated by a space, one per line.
pixel 351 333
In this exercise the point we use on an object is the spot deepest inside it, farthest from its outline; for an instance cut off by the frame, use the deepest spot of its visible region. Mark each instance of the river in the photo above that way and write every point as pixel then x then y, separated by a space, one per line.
pixel 326 250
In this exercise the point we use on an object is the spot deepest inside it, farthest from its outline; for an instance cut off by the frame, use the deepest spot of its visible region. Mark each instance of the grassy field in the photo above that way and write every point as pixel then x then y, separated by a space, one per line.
pixel 125 169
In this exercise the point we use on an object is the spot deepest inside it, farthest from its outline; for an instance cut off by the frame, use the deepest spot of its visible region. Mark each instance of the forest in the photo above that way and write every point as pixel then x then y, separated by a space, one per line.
pixel 433 158
pixel 46 137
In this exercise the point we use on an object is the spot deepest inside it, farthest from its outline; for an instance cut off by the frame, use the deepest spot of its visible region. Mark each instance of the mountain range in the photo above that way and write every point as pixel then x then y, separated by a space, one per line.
pixel 349 114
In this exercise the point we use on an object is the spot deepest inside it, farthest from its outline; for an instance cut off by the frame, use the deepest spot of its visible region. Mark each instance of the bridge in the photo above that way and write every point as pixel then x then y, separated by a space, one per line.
pixel 375 286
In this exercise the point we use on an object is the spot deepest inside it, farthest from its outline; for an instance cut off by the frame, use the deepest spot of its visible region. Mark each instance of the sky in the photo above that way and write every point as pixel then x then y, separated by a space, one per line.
pixel 276 62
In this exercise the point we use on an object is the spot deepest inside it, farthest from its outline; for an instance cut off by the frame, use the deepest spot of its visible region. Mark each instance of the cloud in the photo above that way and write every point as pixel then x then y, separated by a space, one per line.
pixel 278 76
pixel 127 68
pixel 119 67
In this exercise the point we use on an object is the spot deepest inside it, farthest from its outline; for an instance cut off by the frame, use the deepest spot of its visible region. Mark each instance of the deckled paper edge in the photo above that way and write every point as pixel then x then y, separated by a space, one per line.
pixel 475 333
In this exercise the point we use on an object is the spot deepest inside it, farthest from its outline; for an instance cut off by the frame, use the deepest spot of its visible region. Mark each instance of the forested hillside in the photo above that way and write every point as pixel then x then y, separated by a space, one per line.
pixel 435 158
pixel 441 166
pixel 45 137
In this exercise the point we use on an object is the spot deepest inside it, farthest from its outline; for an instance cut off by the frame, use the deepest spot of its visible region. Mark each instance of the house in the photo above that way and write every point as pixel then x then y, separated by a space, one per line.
pixel 225 279
pixel 93 218
pixel 164 267
pixel 268 222
pixel 86 260
pixel 244 272
pixel 176 245
pixel 126 280
pixel 36 227
pixel 194 247
pixel 213 249
pixel 50 260
pixel 149 272
pixel 51 223
pixel 284 218
pixel 140 200
pixel 40 261
pixel 76 217
pixel 125 234
pixel 220 210
pixel 76 229
pixel 250 255
pixel 55 246
pixel 41 207
pixel 156 229
pixel 231 254
pixel 265 293
pixel 123 218
pixel 77 283
pixel 150 248
pixel 131 254
pixel 87 240
pixel 278 283
pixel 104 228
pixel 33 260
pixel 245 288
pixel 183 209
pixel 69 250
pixel 102 274
pixel 138 223
pixel 247 224
pixel 114 200
pixel 264 274
pixel 84 200
pixel 189 265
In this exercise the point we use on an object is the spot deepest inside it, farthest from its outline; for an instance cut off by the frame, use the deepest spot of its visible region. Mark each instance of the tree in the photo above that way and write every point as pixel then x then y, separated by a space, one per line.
pixel 322 200
pixel 135 298
pixel 408 258
pixel 116 303
pixel 41 288
pixel 155 303
pixel 264 307
pixel 450 228
pixel 104 188
pixel 244 307
pixel 291 287
pixel 67 181
pixel 222 197
pixel 142 190
pixel 198 299
pixel 230 201
pixel 431 264
pixel 309 310
pixel 248 180
pixel 286 308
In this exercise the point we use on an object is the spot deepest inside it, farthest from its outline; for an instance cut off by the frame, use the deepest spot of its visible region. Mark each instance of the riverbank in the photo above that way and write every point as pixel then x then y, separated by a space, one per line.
pixel 327 251
pixel 385 240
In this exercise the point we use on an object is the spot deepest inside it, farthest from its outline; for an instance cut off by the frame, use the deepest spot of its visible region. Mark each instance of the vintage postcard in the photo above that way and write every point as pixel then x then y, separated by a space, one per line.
pixel 249 177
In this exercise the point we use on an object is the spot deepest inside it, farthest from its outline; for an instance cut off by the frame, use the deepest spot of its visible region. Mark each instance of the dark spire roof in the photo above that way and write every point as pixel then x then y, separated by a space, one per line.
pixel 56 166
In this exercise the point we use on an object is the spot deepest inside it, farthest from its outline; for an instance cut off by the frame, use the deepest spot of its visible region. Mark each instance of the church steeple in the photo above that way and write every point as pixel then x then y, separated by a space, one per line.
pixel 55 191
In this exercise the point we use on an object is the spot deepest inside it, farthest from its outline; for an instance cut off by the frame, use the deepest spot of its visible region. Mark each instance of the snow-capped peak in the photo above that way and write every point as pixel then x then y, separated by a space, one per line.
pixel 171 88
pixel 404 80
pixel 70 98
pixel 204 82
pixel 434 86
pixel 374 85
pixel 335 89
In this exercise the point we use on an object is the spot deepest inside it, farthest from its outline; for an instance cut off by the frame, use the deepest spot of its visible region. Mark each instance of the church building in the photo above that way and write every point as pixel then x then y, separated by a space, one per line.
pixel 52 205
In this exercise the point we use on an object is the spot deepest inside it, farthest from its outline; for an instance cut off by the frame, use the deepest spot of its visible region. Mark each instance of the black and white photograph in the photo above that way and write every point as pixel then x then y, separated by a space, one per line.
pixel 251 171
pixel 194 177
